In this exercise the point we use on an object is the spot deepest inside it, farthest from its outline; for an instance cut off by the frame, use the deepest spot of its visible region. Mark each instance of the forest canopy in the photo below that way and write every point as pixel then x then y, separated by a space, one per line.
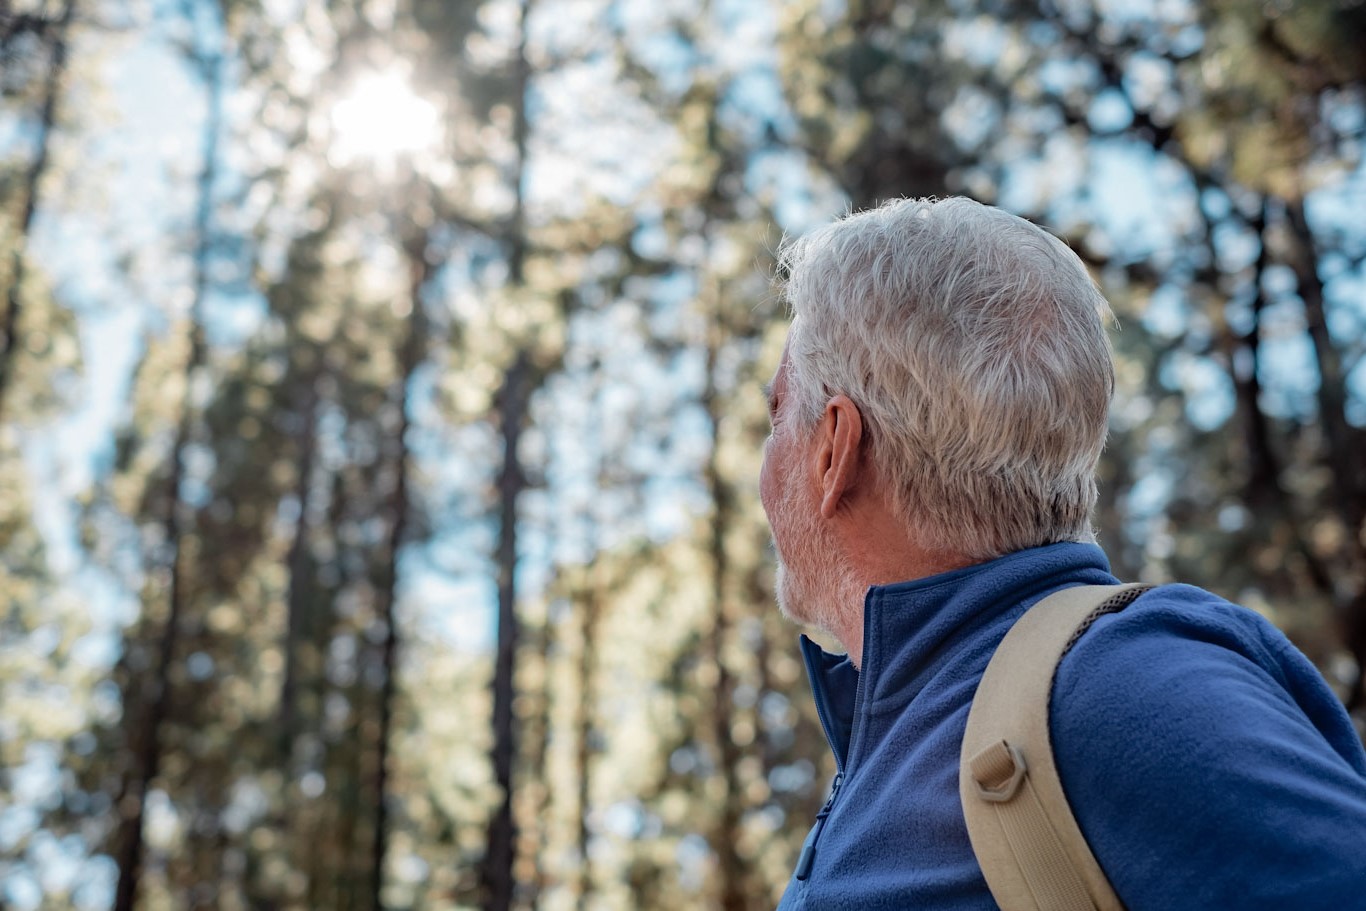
pixel 380 417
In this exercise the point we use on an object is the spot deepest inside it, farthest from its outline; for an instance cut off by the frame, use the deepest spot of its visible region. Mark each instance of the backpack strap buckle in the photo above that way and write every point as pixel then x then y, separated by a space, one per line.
pixel 998 771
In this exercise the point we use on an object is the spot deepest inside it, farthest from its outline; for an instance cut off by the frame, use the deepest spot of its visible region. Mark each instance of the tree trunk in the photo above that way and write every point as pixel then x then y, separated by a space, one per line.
pixel 410 358
pixel 536 745
pixel 583 726
pixel 1264 488
pixel 1344 456
pixel 299 595
pixel 497 874
pixel 9 327
pixel 730 866
pixel 1263 480
pixel 1345 444
pixel 498 863
pixel 146 740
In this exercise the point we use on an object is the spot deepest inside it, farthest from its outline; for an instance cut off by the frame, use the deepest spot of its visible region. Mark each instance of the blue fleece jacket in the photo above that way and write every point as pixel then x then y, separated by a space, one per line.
pixel 1206 760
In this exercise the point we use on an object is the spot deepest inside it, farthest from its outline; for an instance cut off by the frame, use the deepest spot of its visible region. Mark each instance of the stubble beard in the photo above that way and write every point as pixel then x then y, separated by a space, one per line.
pixel 815 586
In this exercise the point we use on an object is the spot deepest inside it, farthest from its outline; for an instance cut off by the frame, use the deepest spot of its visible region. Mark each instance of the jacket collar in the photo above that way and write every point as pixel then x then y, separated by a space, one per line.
pixel 910 627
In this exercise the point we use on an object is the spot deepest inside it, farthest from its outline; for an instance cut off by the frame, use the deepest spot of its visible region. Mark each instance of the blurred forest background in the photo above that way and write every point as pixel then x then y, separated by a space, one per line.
pixel 380 412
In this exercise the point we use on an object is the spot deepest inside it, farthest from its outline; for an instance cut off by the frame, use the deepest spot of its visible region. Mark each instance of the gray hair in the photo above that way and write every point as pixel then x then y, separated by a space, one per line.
pixel 973 343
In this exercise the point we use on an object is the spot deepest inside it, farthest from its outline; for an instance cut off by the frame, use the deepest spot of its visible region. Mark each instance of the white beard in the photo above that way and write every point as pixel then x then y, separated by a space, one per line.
pixel 815 584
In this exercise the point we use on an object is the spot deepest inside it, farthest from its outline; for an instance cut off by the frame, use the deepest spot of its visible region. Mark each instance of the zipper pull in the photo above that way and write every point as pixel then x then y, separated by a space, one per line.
pixel 808 855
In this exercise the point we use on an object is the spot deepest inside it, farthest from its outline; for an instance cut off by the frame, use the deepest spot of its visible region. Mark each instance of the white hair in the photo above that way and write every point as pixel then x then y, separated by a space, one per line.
pixel 973 343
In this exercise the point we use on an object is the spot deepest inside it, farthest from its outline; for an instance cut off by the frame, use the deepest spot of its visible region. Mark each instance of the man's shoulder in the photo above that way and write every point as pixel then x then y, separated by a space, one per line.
pixel 1182 658
pixel 1192 736
pixel 1178 640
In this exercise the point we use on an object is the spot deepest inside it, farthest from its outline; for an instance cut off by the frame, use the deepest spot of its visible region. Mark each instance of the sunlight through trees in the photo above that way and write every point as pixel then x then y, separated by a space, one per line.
pixel 380 417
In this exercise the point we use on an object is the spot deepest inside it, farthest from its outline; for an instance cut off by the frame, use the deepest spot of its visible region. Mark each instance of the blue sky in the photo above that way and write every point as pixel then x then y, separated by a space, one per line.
pixel 137 165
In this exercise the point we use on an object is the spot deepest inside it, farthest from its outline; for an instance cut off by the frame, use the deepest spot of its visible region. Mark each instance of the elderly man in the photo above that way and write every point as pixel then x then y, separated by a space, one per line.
pixel 937 416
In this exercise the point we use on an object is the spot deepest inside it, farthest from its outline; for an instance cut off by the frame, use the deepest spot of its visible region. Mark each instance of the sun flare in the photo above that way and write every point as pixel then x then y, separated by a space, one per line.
pixel 381 119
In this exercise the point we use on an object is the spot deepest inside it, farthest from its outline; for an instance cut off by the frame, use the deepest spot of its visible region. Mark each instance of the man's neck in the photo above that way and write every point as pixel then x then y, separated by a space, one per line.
pixel 914 563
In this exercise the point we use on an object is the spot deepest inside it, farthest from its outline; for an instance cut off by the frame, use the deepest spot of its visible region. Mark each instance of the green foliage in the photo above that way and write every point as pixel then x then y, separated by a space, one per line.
pixel 331 357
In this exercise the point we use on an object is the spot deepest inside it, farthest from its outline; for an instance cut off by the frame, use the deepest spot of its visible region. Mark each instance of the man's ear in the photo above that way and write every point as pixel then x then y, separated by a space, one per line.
pixel 840 437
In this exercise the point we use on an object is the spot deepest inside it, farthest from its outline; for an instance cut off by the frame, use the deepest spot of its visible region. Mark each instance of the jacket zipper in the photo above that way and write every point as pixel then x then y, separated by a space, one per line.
pixel 807 858
pixel 822 713
pixel 808 855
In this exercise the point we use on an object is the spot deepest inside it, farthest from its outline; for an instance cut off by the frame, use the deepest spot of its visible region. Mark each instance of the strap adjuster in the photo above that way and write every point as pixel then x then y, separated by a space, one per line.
pixel 998 771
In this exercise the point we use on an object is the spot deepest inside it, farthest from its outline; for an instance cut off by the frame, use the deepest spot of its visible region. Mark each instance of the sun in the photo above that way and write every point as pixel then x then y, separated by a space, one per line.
pixel 382 119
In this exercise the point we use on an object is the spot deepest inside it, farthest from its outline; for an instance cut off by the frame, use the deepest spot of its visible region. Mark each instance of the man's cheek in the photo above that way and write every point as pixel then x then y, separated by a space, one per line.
pixel 765 485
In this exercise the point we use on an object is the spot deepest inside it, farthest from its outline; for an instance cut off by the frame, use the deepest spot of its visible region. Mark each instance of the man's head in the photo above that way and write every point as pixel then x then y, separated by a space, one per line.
pixel 972 346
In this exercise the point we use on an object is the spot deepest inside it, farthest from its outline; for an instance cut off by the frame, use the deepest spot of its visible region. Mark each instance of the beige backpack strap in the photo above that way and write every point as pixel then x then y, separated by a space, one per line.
pixel 1027 841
